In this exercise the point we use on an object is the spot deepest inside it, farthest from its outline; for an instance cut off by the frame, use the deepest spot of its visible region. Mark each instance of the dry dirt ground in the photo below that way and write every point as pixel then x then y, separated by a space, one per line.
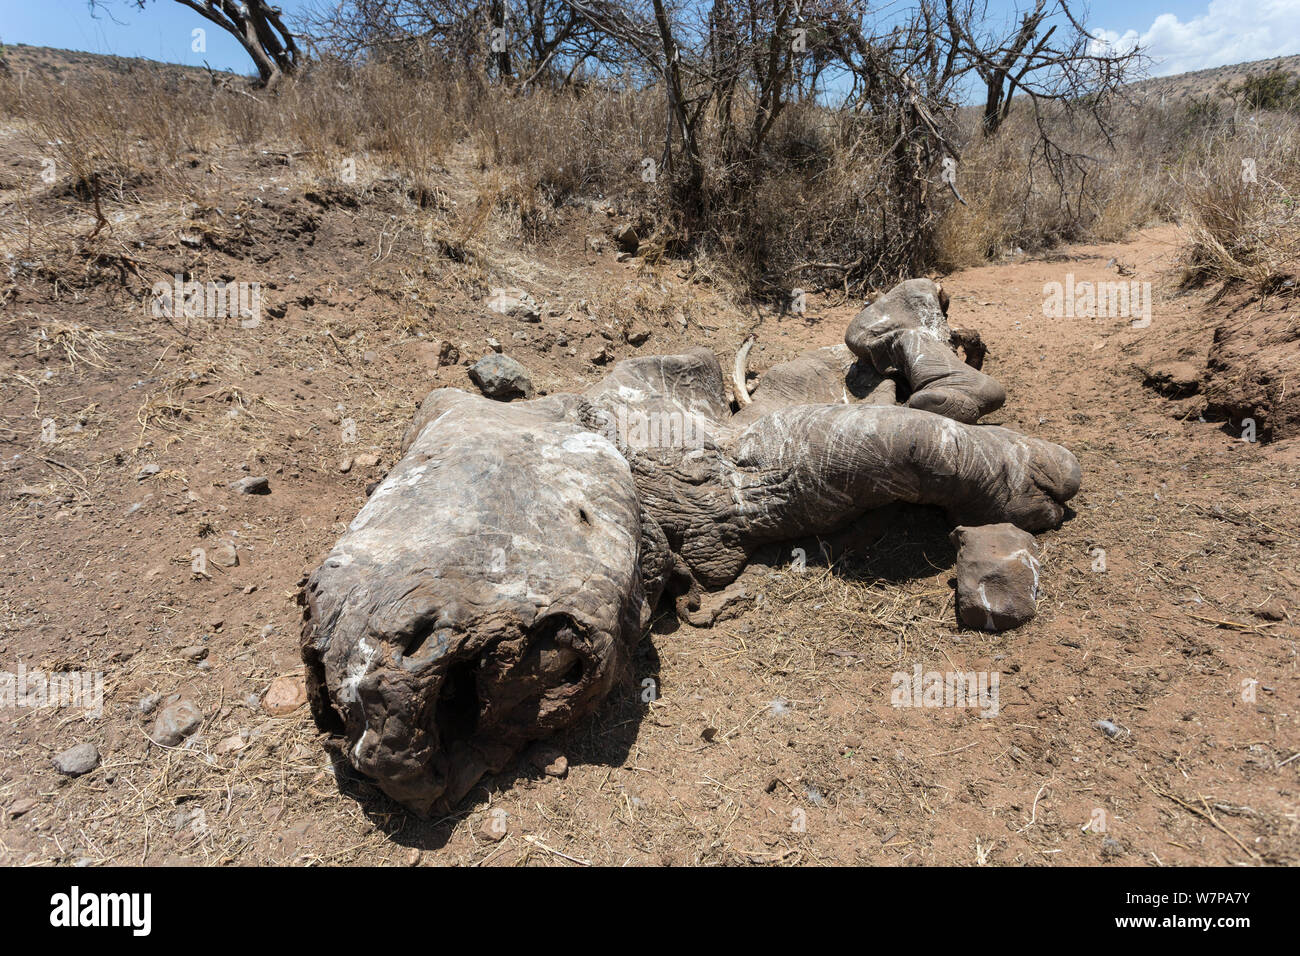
pixel 1169 599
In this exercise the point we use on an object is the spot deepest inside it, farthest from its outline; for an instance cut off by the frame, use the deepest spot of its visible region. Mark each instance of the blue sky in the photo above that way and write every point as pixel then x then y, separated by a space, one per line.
pixel 1181 35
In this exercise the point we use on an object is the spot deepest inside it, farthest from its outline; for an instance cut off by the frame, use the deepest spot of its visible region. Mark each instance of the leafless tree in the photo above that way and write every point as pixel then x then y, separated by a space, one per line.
pixel 257 25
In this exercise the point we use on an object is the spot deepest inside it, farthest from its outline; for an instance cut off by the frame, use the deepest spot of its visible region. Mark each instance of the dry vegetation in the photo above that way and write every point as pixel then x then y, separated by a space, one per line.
pixel 812 217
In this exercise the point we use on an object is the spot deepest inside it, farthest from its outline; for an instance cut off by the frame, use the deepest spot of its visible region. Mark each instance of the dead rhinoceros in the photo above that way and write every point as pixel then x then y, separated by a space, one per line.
pixel 491 590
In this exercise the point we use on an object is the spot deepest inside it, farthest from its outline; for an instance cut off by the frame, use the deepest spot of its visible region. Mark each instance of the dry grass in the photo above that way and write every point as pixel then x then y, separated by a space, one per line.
pixel 1242 203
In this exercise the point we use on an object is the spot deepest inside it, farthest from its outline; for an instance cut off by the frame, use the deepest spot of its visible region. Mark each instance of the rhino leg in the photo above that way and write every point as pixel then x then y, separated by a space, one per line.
pixel 812 469
pixel 907 329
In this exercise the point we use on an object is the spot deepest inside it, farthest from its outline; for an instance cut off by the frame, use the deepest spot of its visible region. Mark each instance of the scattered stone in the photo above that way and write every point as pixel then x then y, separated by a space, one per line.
pixel 224 556
pixel 285 695
pixel 501 377
pixel 231 744
pixel 637 335
pixel 195 652
pixel 515 303
pixel 997 576
pixel 77 760
pixel 177 719
pixel 345 465
pixel 448 354
pixel 367 460
pixel 548 760
pixel 252 485
pixel 147 471
pixel 494 827
pixel 1108 728
pixel 149 703
pixel 603 356
pixel 413 856
pixel 23 806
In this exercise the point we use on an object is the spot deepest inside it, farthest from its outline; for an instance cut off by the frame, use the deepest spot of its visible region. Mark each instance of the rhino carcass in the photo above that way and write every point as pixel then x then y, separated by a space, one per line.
pixel 492 588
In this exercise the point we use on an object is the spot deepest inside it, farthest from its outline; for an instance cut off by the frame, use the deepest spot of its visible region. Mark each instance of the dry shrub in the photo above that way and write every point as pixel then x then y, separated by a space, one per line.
pixel 1241 217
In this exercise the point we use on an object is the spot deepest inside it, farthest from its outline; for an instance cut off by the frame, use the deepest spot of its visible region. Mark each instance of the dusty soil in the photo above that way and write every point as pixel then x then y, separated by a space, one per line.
pixel 1169 598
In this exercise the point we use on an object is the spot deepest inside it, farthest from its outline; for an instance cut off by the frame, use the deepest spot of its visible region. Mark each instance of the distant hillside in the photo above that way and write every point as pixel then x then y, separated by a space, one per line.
pixel 1202 83
pixel 44 60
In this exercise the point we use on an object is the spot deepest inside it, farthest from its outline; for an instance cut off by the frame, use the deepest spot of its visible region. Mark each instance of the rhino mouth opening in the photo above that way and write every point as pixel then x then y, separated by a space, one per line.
pixel 455 714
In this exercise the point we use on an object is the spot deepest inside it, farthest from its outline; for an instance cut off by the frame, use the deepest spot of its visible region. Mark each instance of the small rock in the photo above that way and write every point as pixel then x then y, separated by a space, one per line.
pixel 516 303
pixel 1108 728
pixel 602 357
pixel 285 695
pixel 494 345
pixel 252 485
pixel 77 760
pixel 147 471
pixel 367 460
pixel 224 555
pixel 501 377
pixel 195 652
pixel 232 743
pixel 494 826
pixel 549 760
pixel 997 576
pixel 413 856
pixel 637 335
pixel 23 806
pixel 149 703
pixel 345 465
pixel 177 719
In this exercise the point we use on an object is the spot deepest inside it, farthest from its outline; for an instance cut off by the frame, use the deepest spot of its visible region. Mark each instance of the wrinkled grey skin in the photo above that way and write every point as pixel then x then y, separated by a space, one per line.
pixel 491 590
pixel 907 330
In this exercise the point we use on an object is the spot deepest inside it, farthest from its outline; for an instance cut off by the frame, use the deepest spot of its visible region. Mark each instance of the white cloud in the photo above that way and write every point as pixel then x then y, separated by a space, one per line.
pixel 1230 31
